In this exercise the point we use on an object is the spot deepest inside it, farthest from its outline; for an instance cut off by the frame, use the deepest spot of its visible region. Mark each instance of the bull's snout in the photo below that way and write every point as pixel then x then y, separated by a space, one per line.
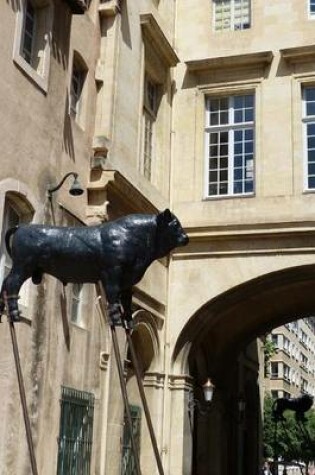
pixel 184 240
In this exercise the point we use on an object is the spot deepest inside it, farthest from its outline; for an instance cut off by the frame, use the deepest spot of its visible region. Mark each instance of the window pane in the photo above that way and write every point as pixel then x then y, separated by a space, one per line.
pixel 311 182
pixel 230 144
pixel 310 108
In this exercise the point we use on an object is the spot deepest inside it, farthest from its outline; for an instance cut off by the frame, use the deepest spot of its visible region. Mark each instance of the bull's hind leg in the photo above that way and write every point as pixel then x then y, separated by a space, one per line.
pixel 11 287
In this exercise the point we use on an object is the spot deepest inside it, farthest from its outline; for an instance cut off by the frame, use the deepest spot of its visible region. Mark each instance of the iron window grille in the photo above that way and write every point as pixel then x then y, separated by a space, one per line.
pixel 128 466
pixel 76 432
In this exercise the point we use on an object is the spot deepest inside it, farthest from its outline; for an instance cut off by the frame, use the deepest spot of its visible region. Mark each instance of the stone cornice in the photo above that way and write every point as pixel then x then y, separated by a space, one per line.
pixel 258 59
pixel 270 238
pixel 109 8
pixel 154 33
pixel 298 54
pixel 114 183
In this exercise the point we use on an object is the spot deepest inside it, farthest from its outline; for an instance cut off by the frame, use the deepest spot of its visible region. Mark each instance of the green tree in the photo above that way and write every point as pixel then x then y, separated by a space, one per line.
pixel 293 441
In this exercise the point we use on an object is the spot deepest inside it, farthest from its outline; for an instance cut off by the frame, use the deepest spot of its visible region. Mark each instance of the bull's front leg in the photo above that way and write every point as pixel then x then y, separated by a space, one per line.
pixel 126 300
pixel 113 292
pixel 10 289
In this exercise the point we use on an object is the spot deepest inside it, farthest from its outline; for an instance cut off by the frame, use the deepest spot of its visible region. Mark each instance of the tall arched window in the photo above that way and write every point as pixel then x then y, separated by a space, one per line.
pixel 16 210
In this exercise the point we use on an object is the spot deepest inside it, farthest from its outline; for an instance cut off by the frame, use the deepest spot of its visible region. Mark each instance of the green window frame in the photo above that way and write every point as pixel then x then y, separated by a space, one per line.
pixel 128 466
pixel 76 432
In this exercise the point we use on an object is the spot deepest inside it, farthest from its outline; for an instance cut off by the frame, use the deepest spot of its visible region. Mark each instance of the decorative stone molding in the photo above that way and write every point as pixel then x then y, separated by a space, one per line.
pixel 298 54
pixel 109 7
pixel 154 34
pixel 104 358
pixel 267 238
pixel 111 186
pixel 180 382
pixel 259 59
pixel 154 380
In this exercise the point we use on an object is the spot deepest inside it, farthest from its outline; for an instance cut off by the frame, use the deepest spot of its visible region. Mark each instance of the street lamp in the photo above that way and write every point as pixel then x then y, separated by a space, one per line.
pixel 208 390
pixel 202 407
pixel 75 189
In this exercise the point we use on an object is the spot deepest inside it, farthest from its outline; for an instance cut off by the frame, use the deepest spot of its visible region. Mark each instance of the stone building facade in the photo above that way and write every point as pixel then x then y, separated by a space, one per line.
pixel 291 369
pixel 206 108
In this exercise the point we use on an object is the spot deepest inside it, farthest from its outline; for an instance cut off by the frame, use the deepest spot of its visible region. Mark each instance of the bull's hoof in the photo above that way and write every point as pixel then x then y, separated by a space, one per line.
pixel 129 324
pixel 114 314
pixel 15 316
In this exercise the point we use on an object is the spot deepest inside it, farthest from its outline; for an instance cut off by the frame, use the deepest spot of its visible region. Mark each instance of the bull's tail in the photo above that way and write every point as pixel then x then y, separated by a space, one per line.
pixel 8 235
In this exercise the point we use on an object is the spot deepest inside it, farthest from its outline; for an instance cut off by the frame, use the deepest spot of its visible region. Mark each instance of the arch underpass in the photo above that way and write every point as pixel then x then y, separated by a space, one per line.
pixel 219 341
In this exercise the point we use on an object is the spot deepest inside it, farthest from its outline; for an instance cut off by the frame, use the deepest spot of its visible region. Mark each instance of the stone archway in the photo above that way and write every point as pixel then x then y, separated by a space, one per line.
pixel 211 345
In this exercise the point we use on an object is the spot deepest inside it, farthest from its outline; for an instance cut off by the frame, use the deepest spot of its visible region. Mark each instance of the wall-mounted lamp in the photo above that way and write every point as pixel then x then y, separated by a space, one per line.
pixel 208 390
pixel 75 189
pixel 203 407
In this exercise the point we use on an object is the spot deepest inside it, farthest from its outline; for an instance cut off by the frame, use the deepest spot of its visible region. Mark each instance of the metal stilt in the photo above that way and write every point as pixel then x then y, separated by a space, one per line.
pixel 122 381
pixel 144 402
pixel 22 391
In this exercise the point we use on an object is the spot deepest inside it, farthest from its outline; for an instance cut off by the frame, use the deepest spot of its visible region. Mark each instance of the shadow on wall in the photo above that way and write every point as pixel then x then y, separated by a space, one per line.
pixel 68 142
pixel 15 4
pixel 60 42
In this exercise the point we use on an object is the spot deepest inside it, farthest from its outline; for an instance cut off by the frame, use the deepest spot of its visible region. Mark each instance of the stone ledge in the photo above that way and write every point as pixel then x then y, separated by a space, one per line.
pixel 298 54
pixel 258 59
pixel 109 8
pixel 154 34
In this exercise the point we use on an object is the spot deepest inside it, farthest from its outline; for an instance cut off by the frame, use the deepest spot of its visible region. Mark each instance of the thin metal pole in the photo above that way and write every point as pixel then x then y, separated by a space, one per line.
pixel 144 402
pixel 121 381
pixel 22 392
pixel 125 397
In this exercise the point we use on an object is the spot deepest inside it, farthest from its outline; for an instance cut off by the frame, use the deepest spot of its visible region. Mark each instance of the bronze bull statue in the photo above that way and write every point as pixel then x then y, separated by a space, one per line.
pixel 299 405
pixel 117 253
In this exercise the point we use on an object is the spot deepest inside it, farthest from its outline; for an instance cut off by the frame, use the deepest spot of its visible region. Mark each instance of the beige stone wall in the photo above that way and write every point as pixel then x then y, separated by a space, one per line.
pixel 232 241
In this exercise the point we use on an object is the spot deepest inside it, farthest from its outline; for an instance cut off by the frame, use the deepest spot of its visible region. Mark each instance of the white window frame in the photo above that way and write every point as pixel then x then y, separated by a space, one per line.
pixel 78 98
pixel 230 127
pixel 150 111
pixel 231 22
pixel 5 260
pixel 306 120
pixel 38 68
pixel 310 5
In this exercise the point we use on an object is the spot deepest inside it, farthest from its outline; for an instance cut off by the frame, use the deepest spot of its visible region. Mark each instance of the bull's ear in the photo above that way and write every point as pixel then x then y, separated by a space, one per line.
pixel 164 217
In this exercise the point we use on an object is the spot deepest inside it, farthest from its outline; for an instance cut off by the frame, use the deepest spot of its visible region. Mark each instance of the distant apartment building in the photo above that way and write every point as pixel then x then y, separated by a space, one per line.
pixel 291 370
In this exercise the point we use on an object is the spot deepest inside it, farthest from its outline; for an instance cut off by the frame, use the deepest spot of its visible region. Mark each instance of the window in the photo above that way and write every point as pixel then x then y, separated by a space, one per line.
pixel 32 40
pixel 150 108
pixel 274 370
pixel 231 14
pixel 286 372
pixel 312 8
pixel 76 303
pixel 77 294
pixel 286 345
pixel 309 128
pixel 128 466
pixel 11 218
pixel 78 77
pixel 304 386
pixel 230 145
pixel 16 211
pixel 275 340
pixel 75 433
